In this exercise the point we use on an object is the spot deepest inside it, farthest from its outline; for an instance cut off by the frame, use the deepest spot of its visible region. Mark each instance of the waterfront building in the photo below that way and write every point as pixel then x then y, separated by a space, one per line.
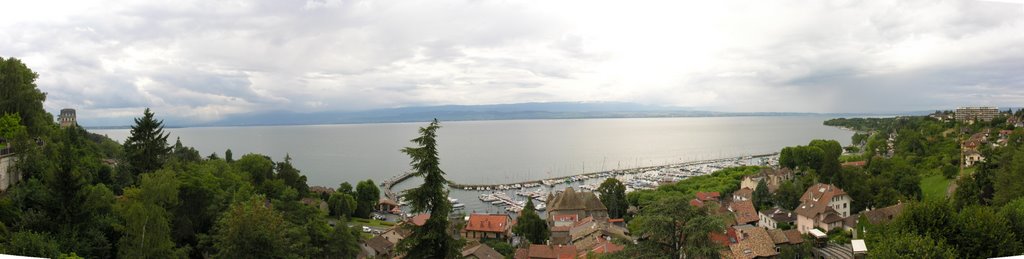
pixel 772 177
pixel 488 226
pixel 568 207
pixel 67 118
pixel 967 114
pixel 823 206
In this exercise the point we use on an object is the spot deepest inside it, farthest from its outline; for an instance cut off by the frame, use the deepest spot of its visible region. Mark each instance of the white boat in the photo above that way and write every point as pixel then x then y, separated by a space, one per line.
pixel 458 206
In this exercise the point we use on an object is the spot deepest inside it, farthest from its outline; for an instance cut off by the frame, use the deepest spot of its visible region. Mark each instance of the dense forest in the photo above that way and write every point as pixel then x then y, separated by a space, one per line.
pixel 84 195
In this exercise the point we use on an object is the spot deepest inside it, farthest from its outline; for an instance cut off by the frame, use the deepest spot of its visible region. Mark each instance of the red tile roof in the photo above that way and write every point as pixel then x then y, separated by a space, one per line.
pixel 861 163
pixel 794 236
pixel 745 193
pixel 744 211
pixel 726 239
pixel 488 223
pixel 616 220
pixel 815 200
pixel 708 196
pixel 696 203
pixel 420 219
pixel 549 252
pixel 603 247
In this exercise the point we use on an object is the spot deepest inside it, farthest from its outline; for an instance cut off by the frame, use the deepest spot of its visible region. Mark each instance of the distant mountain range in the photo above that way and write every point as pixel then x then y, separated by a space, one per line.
pixel 515 111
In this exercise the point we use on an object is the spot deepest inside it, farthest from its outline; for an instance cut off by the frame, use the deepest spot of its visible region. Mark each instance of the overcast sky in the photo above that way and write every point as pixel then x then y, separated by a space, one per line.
pixel 204 60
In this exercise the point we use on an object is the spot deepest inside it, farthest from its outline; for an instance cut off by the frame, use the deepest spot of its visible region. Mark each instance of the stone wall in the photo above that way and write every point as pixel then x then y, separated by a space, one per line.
pixel 8 176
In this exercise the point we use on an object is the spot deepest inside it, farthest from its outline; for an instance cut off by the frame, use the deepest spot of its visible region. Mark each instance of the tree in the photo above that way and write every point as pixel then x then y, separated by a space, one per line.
pixel 249 229
pixel 788 195
pixel 1008 185
pixel 146 220
pixel 30 243
pixel 291 176
pixel 259 168
pixel 531 226
pixel 367 197
pixel 982 232
pixel 907 245
pixel 228 156
pixel 346 188
pixel 676 229
pixel 761 197
pixel 146 148
pixel 341 204
pixel 613 195
pixel 432 240
pixel 19 95
pixel 343 242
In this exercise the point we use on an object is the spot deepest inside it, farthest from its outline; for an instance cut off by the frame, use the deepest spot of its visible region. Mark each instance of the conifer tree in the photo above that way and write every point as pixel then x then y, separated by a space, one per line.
pixel 146 148
pixel 531 226
pixel 432 240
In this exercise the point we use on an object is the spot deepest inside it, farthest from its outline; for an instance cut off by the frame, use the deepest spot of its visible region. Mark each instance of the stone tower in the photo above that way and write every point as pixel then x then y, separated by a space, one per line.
pixel 67 117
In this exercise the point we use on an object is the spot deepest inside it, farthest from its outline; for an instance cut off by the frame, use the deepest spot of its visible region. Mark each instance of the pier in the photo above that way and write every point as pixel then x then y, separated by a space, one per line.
pixel 388 185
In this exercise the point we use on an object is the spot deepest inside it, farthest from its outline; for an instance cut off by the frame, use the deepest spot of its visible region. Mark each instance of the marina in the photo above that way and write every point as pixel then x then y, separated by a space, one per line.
pixel 512 197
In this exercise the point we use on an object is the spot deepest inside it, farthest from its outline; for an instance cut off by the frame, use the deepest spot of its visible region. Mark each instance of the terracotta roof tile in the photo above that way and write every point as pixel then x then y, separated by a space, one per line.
pixel 794 236
pixel 488 223
pixel 754 243
pixel 744 211
pixel 883 215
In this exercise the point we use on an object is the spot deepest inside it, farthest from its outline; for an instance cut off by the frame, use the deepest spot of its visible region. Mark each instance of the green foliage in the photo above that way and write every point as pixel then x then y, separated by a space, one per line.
pixel 675 229
pixel 146 221
pixel 367 196
pixel 346 188
pixel 613 195
pixel 531 226
pixel 30 243
pixel 761 197
pixel 341 204
pixel 500 246
pixel 1007 183
pixel 258 167
pixel 909 246
pixel 722 181
pixel 20 95
pixel 146 148
pixel 432 240
pixel 249 229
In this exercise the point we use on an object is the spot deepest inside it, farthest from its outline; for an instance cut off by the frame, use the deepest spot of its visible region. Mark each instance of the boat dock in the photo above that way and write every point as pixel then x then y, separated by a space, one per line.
pixel 388 185
pixel 585 176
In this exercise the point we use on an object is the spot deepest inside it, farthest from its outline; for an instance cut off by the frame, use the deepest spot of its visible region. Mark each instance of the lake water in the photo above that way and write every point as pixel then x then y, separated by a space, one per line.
pixel 510 150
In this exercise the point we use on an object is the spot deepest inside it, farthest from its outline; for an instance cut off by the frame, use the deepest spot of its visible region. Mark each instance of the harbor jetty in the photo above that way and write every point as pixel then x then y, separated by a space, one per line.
pixel 711 166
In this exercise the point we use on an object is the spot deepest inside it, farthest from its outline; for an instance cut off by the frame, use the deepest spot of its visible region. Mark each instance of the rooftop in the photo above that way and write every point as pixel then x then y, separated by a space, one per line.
pixel 488 223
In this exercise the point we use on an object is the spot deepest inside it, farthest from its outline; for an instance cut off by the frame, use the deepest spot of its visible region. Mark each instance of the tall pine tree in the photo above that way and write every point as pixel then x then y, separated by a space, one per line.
pixel 531 226
pixel 146 149
pixel 432 240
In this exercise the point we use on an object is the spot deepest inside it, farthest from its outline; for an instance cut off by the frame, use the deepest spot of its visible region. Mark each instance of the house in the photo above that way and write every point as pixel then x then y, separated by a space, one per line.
pixel 396 234
pixel 316 203
pixel 744 212
pixel 743 194
pixel 772 177
pixel 753 242
pixel 883 215
pixel 377 247
pixel 419 219
pixel 703 197
pixel 569 206
pixel 823 206
pixel 972 157
pixel 546 252
pixel 603 246
pixel 771 218
pixel 589 232
pixel 481 251
pixel 387 205
pixel 488 226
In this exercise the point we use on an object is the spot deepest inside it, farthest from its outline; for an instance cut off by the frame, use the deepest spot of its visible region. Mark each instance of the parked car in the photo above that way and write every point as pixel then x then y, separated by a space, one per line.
pixel 366 229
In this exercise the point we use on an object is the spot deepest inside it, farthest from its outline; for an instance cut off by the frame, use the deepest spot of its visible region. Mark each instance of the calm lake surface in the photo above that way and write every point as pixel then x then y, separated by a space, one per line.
pixel 510 150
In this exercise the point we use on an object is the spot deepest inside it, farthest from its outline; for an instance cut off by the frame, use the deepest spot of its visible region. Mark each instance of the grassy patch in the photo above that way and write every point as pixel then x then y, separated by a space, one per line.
pixel 371 222
pixel 934 187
